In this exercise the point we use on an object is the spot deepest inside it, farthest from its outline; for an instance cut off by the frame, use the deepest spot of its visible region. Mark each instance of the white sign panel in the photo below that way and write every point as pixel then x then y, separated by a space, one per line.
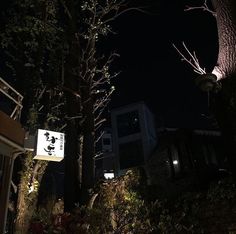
pixel 50 145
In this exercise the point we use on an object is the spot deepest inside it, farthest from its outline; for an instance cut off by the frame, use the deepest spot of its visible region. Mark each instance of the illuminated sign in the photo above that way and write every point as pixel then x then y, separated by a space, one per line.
pixel 50 145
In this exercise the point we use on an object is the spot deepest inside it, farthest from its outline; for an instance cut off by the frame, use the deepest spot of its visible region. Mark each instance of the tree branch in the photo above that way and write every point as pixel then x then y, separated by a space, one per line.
pixel 191 60
pixel 204 7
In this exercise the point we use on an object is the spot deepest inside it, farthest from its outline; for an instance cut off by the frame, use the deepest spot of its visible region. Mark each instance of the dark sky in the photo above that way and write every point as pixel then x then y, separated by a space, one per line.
pixel 152 70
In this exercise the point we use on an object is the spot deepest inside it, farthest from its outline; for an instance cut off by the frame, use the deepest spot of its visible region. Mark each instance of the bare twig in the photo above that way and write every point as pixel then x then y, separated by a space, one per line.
pixel 204 7
pixel 99 137
pixel 61 128
pixel 71 91
pixel 191 60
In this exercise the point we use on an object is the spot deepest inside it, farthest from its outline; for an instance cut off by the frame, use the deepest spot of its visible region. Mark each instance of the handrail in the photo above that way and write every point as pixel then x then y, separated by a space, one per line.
pixel 14 96
pixel 4 82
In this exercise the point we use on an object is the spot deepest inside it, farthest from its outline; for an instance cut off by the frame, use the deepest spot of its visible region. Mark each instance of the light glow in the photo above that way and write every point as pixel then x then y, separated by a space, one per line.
pixel 109 175
pixel 218 73
pixel 31 189
pixel 175 162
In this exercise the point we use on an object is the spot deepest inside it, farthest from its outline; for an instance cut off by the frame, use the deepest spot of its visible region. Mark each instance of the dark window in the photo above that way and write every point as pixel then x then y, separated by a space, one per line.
pixel 128 124
pixel 131 154
pixel 106 141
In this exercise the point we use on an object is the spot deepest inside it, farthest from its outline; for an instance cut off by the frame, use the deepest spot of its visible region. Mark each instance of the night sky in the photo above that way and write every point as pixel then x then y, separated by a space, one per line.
pixel 152 70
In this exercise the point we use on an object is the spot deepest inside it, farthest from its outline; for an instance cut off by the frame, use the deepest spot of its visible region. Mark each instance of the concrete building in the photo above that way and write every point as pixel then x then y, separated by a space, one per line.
pixel 174 159
pixel 133 134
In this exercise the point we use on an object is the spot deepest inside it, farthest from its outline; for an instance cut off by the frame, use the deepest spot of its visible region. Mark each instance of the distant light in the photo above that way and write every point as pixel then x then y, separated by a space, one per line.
pixel 175 162
pixel 109 175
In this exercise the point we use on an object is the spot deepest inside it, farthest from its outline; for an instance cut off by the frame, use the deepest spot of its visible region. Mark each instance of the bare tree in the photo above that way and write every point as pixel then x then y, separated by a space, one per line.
pixel 88 87
pixel 95 81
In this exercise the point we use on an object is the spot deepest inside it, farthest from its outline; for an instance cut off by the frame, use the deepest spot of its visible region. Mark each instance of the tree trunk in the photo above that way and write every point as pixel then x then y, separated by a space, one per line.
pixel 224 103
pixel 88 126
pixel 88 151
pixel 72 183
pixel 27 199
pixel 226 25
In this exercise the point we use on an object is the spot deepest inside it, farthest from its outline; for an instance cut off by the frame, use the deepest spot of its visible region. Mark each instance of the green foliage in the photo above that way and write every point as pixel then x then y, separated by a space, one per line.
pixel 180 217
pixel 203 212
pixel 33 45
pixel 223 190
pixel 120 207
pixel 120 198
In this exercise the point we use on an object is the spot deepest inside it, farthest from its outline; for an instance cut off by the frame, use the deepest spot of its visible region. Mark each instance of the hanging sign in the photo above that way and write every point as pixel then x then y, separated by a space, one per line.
pixel 50 145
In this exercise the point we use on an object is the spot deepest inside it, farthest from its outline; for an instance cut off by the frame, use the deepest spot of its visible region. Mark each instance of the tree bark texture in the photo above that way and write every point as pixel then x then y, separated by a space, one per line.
pixel 226 25
pixel 224 102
